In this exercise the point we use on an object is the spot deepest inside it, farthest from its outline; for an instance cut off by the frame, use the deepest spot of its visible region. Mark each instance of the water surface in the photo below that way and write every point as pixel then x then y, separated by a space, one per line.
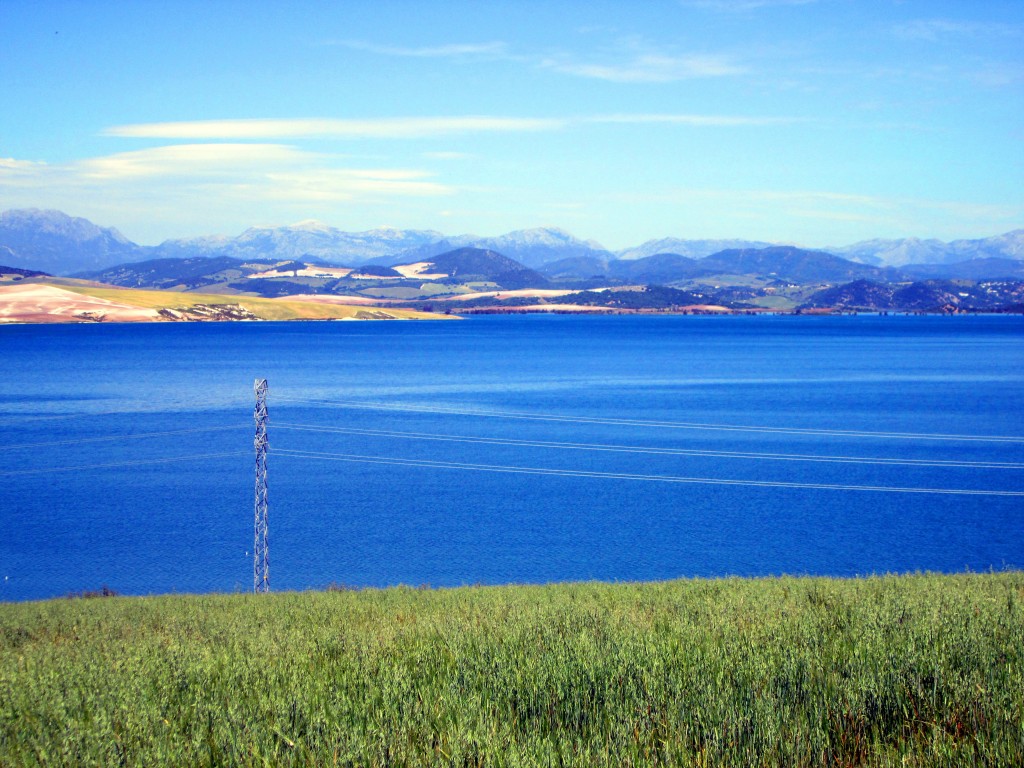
pixel 135 518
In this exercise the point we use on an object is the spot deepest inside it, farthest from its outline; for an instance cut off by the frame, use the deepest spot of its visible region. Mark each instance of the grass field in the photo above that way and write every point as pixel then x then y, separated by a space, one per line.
pixel 909 670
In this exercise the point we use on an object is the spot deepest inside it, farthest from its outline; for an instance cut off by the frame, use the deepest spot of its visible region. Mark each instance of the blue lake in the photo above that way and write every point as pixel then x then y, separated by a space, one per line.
pixel 613 448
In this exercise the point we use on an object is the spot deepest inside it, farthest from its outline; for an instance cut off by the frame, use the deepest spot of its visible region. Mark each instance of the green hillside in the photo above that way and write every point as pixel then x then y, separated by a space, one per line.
pixel 916 670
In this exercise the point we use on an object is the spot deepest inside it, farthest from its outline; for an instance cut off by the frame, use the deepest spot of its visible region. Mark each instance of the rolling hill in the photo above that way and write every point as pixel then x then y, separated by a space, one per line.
pixel 974 269
pixel 774 262
pixel 923 296
pixel 448 271
pixel 790 263
pixel 172 273
pixel 469 265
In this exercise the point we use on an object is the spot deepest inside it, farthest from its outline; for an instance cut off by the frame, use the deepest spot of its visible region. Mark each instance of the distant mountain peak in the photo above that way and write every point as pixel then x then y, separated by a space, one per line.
pixel 694 249
pixel 58 222
pixel 310 225
pixel 545 236
pixel 914 250
pixel 540 245
pixel 59 243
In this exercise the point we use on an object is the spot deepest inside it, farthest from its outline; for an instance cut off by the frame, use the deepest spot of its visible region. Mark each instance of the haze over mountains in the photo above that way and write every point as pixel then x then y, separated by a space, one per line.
pixel 60 244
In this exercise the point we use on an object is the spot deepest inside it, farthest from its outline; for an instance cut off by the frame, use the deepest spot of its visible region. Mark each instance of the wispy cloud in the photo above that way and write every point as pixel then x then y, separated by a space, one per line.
pixel 494 48
pixel 253 171
pixel 12 165
pixel 649 68
pixel 189 159
pixel 15 174
pixel 388 128
pixel 997 75
pixel 696 121
pixel 631 60
pixel 380 128
pixel 323 184
pixel 934 30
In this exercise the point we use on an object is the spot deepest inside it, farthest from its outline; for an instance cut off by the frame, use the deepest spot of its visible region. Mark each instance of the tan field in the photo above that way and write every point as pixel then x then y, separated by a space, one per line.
pixel 73 301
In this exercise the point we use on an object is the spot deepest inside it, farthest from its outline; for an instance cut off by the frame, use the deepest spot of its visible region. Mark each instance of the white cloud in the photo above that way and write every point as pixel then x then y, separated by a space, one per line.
pixel 293 128
pixel 386 128
pixel 11 165
pixel 650 68
pixel 189 159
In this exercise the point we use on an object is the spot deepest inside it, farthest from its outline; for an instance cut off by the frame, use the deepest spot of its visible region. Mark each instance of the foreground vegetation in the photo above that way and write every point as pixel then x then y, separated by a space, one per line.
pixel 911 670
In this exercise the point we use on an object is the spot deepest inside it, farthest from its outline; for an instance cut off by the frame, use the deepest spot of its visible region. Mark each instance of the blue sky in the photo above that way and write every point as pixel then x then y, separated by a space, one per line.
pixel 818 122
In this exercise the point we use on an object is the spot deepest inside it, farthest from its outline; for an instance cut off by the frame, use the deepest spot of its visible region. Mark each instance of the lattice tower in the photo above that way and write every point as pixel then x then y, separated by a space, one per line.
pixel 261 551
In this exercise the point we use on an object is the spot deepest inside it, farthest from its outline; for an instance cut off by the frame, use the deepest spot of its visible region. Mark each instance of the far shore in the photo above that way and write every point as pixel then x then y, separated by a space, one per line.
pixel 73 301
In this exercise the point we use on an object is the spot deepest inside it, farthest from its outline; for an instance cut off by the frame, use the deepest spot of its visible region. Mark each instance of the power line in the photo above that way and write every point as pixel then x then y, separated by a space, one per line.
pixel 658 424
pixel 430 464
pixel 169 408
pixel 924 463
pixel 109 438
pixel 114 464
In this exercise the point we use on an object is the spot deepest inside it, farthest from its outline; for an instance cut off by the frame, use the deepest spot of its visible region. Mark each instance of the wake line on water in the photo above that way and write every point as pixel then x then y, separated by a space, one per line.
pixel 655 424
pixel 427 463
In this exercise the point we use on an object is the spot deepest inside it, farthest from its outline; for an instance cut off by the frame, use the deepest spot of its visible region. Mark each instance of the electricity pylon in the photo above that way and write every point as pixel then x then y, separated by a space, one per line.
pixel 261 552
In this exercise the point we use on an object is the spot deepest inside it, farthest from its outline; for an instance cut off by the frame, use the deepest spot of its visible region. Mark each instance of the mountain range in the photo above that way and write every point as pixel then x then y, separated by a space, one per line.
pixel 55 242
pixel 527 270
pixel 60 244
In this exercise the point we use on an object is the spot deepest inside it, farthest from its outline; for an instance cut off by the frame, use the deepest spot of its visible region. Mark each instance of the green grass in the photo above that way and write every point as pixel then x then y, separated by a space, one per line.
pixel 910 670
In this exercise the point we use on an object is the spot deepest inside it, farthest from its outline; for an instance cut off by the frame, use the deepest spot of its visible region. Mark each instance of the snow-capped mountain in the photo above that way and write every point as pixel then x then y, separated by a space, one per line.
pixel 530 247
pixel 911 250
pixel 895 253
pixel 534 247
pixel 307 239
pixel 694 249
